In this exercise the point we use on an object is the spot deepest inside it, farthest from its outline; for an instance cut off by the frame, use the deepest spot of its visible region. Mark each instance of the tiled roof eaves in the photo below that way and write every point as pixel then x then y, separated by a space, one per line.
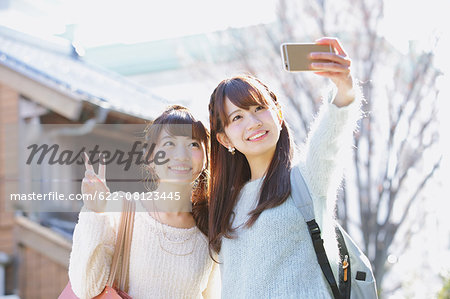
pixel 39 76
pixel 66 88
pixel 127 97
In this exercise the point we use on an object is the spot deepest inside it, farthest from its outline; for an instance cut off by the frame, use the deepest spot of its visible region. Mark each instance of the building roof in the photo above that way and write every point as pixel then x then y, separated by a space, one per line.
pixel 158 55
pixel 26 61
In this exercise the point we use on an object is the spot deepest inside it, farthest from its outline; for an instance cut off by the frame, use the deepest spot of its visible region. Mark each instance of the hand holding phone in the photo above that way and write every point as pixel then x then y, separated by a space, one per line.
pixel 336 67
pixel 295 56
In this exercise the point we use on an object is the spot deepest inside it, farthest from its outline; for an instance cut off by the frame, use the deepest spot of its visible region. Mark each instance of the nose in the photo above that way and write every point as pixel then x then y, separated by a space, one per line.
pixel 182 153
pixel 253 123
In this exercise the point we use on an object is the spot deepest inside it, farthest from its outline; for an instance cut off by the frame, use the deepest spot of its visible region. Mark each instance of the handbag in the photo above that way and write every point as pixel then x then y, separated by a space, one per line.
pixel 355 265
pixel 118 280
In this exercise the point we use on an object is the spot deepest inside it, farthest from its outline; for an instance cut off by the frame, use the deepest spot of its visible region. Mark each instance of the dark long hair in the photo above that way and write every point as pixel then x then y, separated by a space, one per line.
pixel 178 121
pixel 231 172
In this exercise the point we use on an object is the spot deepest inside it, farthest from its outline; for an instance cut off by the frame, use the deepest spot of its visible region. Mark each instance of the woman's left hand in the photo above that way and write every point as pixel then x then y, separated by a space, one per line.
pixel 337 68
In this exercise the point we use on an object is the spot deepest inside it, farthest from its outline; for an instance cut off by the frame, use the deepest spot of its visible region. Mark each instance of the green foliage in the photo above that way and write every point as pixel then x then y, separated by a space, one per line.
pixel 444 293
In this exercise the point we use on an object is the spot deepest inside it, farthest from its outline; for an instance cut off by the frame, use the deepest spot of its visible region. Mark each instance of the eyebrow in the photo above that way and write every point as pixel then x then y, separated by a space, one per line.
pixel 166 137
pixel 234 112
pixel 170 137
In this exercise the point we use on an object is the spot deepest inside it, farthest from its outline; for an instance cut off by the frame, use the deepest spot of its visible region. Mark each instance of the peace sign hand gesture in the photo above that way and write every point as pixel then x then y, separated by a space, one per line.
pixel 94 185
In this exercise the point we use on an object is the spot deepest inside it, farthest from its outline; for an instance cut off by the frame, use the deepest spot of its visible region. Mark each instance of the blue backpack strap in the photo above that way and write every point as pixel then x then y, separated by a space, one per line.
pixel 302 198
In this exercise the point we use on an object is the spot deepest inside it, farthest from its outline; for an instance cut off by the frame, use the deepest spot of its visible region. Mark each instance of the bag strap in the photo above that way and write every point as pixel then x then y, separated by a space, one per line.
pixel 302 198
pixel 121 258
pixel 300 194
pixel 345 282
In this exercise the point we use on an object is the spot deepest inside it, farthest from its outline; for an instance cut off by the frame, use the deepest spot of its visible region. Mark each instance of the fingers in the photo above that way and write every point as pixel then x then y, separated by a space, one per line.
pixel 102 168
pixel 338 62
pixel 336 65
pixel 90 172
pixel 340 79
pixel 334 42
pixel 87 182
pixel 330 67
pixel 331 57
pixel 87 163
pixel 331 75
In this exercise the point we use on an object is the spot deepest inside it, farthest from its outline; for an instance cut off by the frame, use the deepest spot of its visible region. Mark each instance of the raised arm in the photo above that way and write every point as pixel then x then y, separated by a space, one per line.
pixel 329 142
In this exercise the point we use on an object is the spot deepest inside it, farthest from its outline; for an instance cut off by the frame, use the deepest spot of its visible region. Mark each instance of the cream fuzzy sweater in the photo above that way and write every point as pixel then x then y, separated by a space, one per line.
pixel 160 263
pixel 275 258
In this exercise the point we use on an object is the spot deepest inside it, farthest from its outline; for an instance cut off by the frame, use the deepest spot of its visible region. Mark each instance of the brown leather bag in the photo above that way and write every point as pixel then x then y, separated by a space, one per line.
pixel 118 280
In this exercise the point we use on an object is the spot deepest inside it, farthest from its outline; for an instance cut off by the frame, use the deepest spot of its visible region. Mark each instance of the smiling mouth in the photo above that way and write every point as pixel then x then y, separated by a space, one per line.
pixel 181 169
pixel 258 136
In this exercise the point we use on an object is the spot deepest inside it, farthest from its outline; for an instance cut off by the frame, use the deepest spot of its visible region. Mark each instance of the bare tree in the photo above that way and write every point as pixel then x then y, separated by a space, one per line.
pixel 398 131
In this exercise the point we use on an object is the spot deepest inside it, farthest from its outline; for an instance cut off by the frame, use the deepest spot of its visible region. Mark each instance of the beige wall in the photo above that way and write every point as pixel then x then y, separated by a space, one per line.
pixel 8 115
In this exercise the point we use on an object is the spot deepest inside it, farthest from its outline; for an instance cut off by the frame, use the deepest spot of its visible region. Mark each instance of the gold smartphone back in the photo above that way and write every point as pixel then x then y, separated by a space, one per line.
pixel 295 55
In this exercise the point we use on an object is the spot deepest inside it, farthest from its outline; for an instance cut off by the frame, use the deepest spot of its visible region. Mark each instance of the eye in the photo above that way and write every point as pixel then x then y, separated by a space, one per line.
pixel 260 108
pixel 168 143
pixel 237 117
pixel 194 144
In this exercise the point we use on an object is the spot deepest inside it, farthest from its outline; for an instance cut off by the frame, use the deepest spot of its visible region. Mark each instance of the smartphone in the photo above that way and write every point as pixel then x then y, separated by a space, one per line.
pixel 295 55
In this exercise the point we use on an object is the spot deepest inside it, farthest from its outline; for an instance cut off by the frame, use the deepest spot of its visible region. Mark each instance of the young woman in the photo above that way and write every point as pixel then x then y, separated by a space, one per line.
pixel 264 246
pixel 169 251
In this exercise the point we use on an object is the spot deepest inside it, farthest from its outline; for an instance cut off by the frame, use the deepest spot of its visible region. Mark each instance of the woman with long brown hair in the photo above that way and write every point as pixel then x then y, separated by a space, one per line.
pixel 263 243
pixel 169 255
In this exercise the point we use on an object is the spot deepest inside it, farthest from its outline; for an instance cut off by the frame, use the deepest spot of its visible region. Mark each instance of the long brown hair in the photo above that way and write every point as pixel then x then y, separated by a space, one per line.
pixel 178 121
pixel 231 172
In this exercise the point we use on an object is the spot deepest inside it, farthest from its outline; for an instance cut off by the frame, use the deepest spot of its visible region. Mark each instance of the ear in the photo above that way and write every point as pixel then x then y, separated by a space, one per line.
pixel 223 139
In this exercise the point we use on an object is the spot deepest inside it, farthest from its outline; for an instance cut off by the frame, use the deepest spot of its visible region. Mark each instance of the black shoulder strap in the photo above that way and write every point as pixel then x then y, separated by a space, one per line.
pixel 303 201
pixel 314 232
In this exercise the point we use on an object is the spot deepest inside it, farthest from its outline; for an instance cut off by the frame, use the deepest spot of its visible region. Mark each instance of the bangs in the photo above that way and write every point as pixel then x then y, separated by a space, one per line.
pixel 243 93
pixel 194 130
pixel 183 124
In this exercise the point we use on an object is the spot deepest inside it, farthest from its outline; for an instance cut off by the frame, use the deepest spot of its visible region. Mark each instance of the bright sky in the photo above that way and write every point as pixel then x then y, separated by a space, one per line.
pixel 414 20
pixel 171 18
pixel 111 21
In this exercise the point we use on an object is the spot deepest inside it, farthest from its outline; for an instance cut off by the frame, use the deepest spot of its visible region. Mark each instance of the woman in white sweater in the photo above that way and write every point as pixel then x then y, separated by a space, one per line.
pixel 264 246
pixel 169 255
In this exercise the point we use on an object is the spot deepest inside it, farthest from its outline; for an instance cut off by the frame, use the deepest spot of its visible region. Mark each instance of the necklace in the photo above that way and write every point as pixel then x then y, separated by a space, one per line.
pixel 172 243
pixel 177 253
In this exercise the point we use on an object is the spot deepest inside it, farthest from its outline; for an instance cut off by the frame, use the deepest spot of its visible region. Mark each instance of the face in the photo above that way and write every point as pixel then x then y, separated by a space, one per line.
pixel 253 132
pixel 187 158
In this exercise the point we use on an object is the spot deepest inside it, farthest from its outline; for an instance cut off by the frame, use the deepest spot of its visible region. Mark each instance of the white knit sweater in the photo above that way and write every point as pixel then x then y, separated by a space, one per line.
pixel 275 258
pixel 158 268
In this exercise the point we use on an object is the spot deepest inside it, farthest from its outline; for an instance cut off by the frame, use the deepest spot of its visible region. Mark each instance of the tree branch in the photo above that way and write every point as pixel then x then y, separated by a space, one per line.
pixel 417 192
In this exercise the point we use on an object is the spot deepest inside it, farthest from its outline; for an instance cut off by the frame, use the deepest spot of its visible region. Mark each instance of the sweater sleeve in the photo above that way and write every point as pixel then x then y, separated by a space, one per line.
pixel 213 288
pixel 328 148
pixel 92 249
